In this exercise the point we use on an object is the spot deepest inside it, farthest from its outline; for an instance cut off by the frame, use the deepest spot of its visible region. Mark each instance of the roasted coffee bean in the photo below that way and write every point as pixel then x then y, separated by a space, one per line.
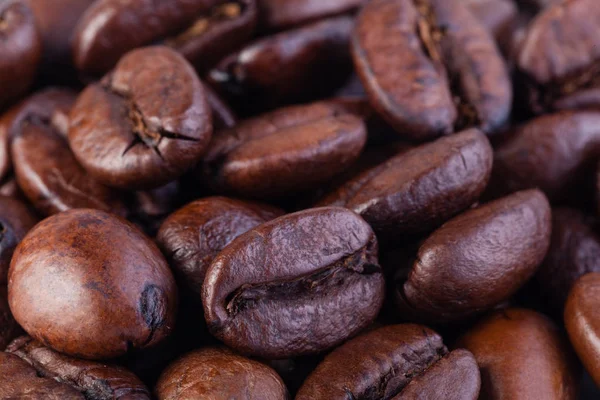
pixel 560 57
pixel 395 362
pixel 56 21
pixel 522 355
pixel 94 380
pixel 574 251
pixel 283 152
pixel 9 329
pixel 582 319
pixel 145 124
pixel 192 236
pixel 213 373
pixel 223 116
pixel 15 221
pixel 429 67
pixel 551 153
pixel 19 380
pixel 202 30
pixel 312 277
pixel 418 190
pixel 21 49
pixel 476 260
pixel 45 168
pixel 290 67
pixel 89 284
pixel 281 14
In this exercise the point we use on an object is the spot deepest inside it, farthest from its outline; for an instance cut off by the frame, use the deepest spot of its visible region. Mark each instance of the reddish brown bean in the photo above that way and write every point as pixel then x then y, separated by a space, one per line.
pixel 522 355
pixel 88 303
pixel 477 260
pixel 213 373
pixel 419 189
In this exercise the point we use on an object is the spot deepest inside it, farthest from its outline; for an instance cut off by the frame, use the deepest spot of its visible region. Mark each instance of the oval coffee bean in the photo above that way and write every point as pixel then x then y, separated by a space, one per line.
pixel 574 251
pixel 94 380
pixel 420 189
pixel 560 56
pixel 19 380
pixel 477 259
pixel 281 14
pixel 311 277
pixel 199 28
pixel 394 362
pixel 283 152
pixel 15 221
pixel 90 285
pixel 582 319
pixel 212 373
pixel 9 329
pixel 192 236
pixel 145 124
pixel 21 49
pixel 215 34
pixel 522 355
pixel 429 67
pixel 549 153
pixel 290 67
pixel 45 168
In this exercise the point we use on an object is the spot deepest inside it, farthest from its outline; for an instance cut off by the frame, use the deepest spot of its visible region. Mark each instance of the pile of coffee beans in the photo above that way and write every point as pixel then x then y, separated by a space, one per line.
pixel 300 199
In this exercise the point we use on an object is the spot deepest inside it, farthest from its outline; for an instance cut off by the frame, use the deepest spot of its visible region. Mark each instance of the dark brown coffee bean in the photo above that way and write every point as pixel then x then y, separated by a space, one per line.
pixel 94 380
pixel 551 153
pixel 192 236
pixel 91 285
pixel 203 30
pixel 44 165
pixel 560 57
pixel 311 277
pixel 522 355
pixel 430 67
pixel 394 362
pixel 19 380
pixel 21 49
pixel 477 259
pixel 294 66
pixel 15 221
pixel 281 14
pixel 574 251
pixel 56 21
pixel 223 116
pixel 213 373
pixel 9 329
pixel 418 190
pixel 145 124
pixel 582 319
pixel 283 152
pixel 216 33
